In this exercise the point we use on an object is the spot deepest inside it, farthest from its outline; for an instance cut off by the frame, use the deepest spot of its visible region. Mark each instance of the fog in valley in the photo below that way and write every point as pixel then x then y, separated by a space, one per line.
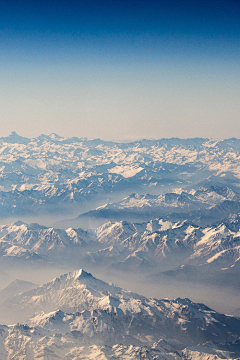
pixel 120 180
pixel 141 251
pixel 224 299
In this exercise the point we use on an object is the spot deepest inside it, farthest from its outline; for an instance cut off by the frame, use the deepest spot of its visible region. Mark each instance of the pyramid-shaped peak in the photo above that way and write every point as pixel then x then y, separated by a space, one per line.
pixel 72 277
pixel 15 138
pixel 79 274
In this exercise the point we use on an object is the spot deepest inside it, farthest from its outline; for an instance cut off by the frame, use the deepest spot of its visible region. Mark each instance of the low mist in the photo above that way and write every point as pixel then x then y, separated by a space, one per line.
pixel 218 298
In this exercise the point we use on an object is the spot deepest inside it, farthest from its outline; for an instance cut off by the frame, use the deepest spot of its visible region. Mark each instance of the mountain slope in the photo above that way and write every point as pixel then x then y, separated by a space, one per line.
pixel 15 287
pixel 58 175
pixel 147 207
pixel 37 243
pixel 103 316
pixel 155 245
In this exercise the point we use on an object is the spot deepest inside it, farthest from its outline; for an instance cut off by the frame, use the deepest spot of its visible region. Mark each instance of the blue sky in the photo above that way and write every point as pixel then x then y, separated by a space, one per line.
pixel 120 70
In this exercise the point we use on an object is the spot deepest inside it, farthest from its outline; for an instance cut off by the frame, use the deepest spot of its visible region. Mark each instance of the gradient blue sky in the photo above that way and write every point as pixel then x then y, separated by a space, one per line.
pixel 120 70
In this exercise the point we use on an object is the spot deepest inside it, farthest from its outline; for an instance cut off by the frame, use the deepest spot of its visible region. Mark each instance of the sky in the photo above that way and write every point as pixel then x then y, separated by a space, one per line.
pixel 120 70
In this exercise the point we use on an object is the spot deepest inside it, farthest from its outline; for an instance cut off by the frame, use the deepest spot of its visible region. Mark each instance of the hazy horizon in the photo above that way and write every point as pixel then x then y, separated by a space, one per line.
pixel 21 134
pixel 120 70
pixel 119 153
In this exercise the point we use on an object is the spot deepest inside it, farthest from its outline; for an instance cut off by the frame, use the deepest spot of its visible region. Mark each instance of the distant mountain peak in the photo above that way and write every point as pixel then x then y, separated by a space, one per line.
pixel 55 136
pixel 14 135
pixel 15 138
pixel 19 223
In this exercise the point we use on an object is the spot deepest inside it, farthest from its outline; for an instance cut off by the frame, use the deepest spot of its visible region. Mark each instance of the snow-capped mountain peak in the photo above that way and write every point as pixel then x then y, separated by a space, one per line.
pixel 104 314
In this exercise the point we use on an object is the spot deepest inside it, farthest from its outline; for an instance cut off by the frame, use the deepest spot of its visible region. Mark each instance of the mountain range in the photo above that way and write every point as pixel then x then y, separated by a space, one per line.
pixel 80 317
pixel 151 213
pixel 180 249
pixel 57 175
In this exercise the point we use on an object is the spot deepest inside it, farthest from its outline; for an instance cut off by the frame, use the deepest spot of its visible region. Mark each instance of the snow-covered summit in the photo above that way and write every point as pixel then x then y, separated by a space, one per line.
pixel 106 315
pixel 75 291
pixel 39 174
pixel 157 244
pixel 42 240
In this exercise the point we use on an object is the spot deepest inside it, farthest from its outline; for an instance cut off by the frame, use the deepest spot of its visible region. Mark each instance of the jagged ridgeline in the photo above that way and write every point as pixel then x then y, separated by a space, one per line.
pixel 181 250
pixel 157 215
pixel 56 175
pixel 81 317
